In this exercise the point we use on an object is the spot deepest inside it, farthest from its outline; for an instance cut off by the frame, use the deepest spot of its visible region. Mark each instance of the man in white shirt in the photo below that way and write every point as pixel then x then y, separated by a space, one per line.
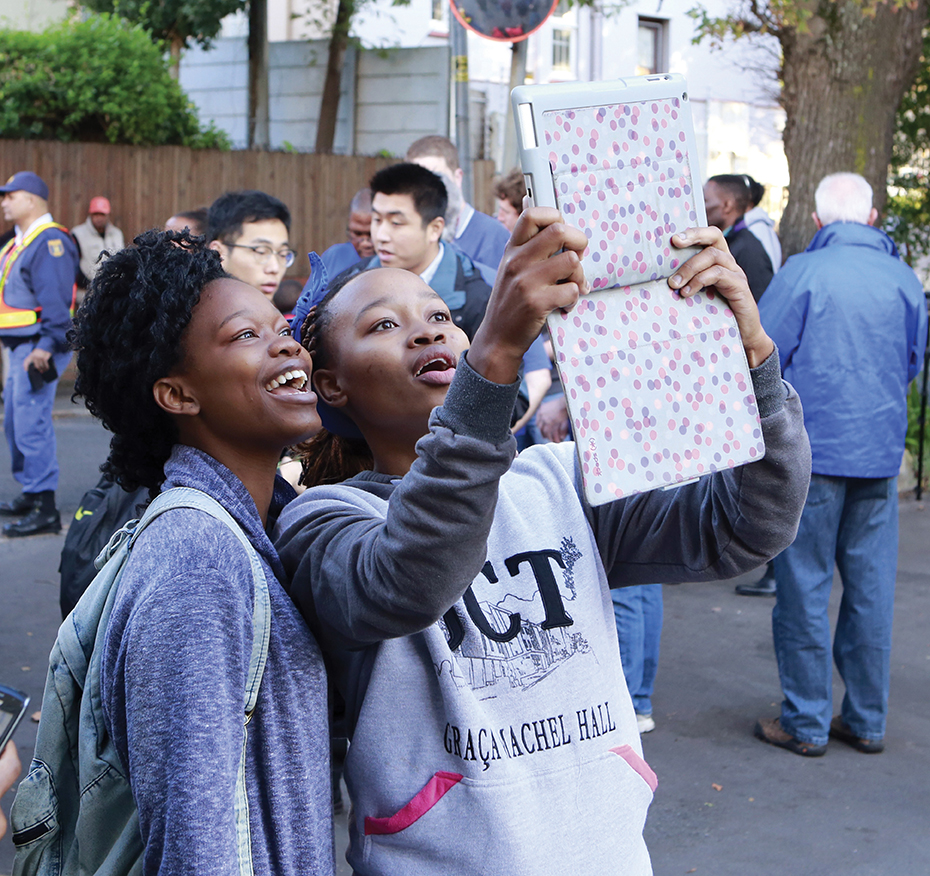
pixel 95 236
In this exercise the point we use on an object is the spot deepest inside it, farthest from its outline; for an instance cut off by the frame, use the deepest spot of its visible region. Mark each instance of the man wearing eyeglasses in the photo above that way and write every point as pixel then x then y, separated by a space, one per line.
pixel 249 229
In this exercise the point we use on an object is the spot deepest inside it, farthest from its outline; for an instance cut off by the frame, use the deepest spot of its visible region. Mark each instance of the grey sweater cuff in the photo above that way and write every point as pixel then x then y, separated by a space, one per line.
pixel 477 407
pixel 771 391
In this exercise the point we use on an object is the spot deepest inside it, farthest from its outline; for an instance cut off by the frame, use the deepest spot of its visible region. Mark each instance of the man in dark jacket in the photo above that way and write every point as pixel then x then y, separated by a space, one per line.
pixel 726 199
pixel 408 203
pixel 478 235
pixel 848 295
pixel 37 271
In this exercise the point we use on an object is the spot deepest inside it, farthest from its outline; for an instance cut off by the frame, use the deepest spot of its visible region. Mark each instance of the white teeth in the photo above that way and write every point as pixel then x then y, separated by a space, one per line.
pixel 300 378
pixel 431 362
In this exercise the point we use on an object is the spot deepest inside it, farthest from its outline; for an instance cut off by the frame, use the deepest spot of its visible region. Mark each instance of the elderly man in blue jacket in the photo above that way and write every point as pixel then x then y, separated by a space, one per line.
pixel 850 322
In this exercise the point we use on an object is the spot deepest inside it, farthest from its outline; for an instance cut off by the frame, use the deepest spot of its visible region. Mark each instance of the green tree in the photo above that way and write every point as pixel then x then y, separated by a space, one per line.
pixel 177 23
pixel 98 79
pixel 909 177
pixel 339 26
pixel 845 65
pixel 329 103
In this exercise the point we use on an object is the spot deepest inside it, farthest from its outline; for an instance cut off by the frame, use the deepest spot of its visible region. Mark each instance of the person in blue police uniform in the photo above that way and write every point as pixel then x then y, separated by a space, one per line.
pixel 37 272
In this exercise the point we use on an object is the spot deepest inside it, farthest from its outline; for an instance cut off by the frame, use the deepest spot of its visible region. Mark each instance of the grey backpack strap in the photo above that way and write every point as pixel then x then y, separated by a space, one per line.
pixel 186 497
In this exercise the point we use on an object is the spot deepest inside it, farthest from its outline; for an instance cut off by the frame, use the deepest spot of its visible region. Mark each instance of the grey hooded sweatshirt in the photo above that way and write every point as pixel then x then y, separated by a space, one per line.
pixel 466 613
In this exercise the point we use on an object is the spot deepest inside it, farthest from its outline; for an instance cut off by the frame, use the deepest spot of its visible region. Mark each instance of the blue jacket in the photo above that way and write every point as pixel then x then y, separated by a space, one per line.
pixel 42 278
pixel 339 257
pixel 484 239
pixel 850 321
pixel 177 651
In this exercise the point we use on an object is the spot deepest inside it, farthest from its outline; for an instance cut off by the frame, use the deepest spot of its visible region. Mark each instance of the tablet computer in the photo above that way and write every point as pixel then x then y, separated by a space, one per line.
pixel 657 387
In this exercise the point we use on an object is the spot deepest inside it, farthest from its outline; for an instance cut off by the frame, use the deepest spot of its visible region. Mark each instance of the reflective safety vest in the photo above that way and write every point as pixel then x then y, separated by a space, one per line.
pixel 15 317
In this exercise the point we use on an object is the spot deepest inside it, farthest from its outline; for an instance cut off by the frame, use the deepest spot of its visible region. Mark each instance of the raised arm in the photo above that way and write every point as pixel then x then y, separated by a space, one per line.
pixel 732 521
pixel 368 570
pixel 723 524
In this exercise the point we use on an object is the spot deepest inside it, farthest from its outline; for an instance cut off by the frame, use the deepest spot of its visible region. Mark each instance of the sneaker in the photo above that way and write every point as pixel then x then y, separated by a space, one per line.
pixel 770 730
pixel 644 723
pixel 839 729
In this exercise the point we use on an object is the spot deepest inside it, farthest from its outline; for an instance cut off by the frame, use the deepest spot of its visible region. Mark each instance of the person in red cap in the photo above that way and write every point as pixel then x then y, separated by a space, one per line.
pixel 95 236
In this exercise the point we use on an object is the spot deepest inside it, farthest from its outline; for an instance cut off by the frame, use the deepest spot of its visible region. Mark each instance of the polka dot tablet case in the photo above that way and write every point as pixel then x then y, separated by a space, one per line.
pixel 658 387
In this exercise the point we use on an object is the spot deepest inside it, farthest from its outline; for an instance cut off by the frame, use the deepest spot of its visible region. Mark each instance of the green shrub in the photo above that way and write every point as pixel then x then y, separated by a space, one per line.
pixel 911 441
pixel 100 79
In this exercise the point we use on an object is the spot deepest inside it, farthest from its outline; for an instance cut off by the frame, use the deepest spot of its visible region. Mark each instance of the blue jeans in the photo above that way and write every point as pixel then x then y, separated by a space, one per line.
pixel 27 422
pixel 638 613
pixel 854 523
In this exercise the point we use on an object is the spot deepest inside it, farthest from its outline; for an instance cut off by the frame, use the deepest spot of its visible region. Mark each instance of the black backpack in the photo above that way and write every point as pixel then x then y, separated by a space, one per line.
pixel 103 510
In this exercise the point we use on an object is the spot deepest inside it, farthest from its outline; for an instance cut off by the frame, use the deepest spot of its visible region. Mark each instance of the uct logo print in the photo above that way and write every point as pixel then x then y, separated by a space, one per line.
pixel 491 644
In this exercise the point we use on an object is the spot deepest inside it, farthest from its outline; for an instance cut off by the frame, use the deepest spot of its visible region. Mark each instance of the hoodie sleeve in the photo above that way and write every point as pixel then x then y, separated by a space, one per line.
pixel 360 575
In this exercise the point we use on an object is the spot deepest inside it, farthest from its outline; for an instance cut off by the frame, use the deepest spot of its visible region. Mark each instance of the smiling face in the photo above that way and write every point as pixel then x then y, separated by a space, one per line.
pixel 242 387
pixel 392 349
pixel 400 238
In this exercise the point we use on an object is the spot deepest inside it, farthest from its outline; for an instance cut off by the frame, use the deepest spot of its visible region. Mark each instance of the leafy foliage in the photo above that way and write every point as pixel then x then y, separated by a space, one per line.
pixel 775 17
pixel 98 79
pixel 912 439
pixel 173 21
pixel 909 175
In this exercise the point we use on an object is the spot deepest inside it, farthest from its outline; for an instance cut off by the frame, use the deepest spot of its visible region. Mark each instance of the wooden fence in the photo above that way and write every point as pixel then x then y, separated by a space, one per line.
pixel 147 185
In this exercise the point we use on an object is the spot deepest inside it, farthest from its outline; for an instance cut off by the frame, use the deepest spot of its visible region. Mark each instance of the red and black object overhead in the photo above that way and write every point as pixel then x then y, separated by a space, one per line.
pixel 508 21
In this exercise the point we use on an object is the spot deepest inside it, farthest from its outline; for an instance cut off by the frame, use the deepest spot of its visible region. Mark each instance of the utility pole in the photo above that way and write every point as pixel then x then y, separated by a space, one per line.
pixel 462 128
pixel 517 77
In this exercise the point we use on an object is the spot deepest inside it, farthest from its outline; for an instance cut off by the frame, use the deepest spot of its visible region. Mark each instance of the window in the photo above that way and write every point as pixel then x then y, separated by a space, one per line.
pixel 562 50
pixel 651 55
pixel 439 8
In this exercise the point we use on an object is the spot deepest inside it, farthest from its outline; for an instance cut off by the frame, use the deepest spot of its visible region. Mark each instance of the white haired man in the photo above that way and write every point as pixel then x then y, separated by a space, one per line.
pixel 850 322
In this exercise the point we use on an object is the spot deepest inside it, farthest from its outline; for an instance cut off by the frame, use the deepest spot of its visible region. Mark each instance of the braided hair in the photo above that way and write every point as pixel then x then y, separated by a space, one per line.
pixel 127 335
pixel 327 457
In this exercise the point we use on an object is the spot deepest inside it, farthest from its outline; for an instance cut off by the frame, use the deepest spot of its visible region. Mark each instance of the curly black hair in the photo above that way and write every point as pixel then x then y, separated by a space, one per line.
pixel 127 335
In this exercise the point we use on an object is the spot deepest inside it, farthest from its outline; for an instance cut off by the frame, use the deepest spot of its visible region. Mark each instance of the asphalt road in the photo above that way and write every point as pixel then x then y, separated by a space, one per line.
pixel 726 805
